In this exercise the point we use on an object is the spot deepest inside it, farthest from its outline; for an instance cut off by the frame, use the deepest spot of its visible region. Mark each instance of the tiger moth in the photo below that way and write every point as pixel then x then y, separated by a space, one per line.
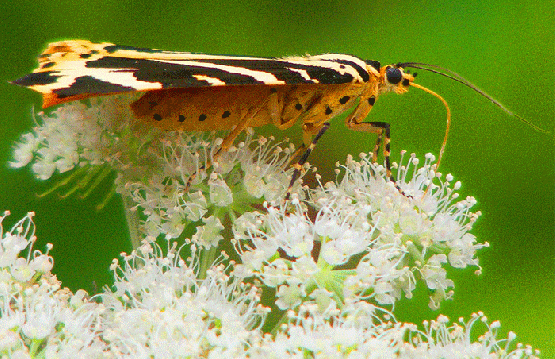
pixel 199 92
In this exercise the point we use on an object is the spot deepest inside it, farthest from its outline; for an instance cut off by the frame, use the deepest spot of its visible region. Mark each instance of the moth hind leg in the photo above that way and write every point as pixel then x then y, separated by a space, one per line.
pixel 245 121
pixel 228 140
pixel 302 160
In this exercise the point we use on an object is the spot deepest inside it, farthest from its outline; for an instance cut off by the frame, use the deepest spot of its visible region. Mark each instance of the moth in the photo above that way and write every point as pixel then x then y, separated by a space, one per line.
pixel 199 92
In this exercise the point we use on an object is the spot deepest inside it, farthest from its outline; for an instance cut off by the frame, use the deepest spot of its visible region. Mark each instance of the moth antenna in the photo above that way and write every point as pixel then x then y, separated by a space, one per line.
pixel 448 119
pixel 456 77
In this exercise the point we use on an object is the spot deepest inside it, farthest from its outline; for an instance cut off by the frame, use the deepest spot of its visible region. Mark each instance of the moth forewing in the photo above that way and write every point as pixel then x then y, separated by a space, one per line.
pixel 77 69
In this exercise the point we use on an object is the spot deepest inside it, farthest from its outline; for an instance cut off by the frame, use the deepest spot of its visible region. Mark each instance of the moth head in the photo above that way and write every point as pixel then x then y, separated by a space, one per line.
pixel 395 79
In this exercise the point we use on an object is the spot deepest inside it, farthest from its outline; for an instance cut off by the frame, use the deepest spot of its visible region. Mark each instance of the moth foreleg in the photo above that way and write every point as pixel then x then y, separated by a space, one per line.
pixel 382 129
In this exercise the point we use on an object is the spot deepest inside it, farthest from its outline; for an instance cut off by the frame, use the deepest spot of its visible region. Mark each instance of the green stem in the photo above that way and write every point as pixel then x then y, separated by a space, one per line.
pixel 132 218
pixel 282 320
pixel 206 260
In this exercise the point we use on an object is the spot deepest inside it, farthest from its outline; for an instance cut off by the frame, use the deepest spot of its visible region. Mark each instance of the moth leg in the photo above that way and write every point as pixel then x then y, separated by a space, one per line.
pixel 228 140
pixel 382 129
pixel 302 160
pixel 277 108
pixel 314 126
pixel 377 147
pixel 308 132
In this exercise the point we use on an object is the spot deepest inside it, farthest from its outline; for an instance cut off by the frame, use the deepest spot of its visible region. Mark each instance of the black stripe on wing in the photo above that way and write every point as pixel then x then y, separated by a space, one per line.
pixel 171 75
pixel 175 75
pixel 282 69
pixel 275 66
pixel 90 85
pixel 37 78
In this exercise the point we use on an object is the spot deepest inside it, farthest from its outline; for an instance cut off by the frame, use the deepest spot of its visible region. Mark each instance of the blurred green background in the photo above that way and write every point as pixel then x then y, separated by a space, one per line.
pixel 504 47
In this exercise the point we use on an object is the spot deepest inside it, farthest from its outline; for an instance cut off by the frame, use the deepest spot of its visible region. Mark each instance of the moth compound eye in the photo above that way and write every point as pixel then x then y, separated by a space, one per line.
pixel 393 75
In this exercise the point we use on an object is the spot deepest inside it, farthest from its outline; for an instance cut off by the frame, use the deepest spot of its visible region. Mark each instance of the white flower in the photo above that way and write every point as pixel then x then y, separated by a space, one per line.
pixel 21 270
pixel 160 307
pixel 220 193
pixel 163 308
pixel 40 319
pixel 415 224
pixel 209 235
pixel 330 257
pixel 37 317
pixel 290 295
pixel 343 235
pixel 324 301
pixel 389 238
pixel 24 151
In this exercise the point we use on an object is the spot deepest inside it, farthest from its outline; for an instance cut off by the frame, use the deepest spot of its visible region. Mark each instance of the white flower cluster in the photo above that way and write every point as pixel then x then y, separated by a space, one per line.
pixel 36 314
pixel 329 259
pixel 161 173
pixel 161 308
pixel 244 176
pixel 374 242
pixel 76 135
